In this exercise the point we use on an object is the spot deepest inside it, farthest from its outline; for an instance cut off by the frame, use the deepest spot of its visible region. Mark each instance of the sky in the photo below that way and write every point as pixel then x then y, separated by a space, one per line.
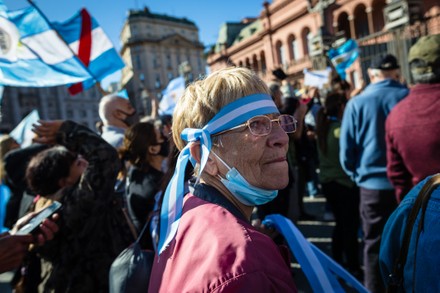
pixel 208 15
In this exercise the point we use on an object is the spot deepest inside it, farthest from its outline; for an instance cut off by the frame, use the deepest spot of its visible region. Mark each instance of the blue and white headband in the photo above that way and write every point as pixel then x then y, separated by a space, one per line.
pixel 233 114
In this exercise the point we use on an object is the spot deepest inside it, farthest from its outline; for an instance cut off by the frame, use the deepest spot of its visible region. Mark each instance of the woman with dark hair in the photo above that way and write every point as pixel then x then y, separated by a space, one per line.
pixel 145 148
pixel 81 174
pixel 341 193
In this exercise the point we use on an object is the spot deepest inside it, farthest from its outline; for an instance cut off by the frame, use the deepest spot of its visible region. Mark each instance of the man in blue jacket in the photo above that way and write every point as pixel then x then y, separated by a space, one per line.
pixel 363 156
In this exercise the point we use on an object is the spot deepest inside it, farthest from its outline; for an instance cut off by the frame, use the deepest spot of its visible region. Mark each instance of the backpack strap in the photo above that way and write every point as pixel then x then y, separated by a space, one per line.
pixel 396 277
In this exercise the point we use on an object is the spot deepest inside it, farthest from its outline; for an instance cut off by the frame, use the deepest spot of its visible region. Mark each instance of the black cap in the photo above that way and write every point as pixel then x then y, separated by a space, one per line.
pixel 387 62
pixel 279 73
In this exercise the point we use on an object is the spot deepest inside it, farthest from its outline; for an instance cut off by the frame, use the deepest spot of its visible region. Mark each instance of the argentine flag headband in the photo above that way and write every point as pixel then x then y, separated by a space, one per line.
pixel 231 115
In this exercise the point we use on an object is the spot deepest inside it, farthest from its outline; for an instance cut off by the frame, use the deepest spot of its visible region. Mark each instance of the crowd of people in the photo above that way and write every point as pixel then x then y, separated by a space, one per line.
pixel 201 182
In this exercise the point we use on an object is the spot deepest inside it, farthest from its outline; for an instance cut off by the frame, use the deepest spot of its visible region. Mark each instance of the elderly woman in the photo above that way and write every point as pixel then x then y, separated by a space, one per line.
pixel 239 141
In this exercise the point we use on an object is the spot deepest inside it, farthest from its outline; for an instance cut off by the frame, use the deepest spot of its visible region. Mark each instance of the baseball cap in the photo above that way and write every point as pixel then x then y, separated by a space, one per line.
pixel 387 62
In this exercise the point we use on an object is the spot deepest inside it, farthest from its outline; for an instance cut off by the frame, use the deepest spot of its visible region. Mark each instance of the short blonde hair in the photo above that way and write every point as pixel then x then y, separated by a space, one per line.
pixel 203 99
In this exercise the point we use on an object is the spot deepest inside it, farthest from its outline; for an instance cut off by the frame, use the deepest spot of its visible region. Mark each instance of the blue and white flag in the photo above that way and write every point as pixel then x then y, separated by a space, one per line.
pixel 317 78
pixel 92 46
pixel 32 54
pixel 322 272
pixel 343 56
pixel 171 94
pixel 23 133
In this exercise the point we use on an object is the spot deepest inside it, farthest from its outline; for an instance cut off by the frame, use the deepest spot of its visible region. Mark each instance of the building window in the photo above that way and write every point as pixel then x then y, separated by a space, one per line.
pixel 188 56
pixel 309 42
pixel 157 83
pixel 170 75
pixel 199 63
pixel 281 52
pixel 169 64
pixel 295 49
pixel 155 61
pixel 133 31
pixel 306 37
pixel 361 21
pixel 178 57
pixel 138 62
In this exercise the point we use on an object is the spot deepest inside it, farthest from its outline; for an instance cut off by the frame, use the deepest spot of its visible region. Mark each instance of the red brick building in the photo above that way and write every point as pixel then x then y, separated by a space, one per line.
pixel 284 34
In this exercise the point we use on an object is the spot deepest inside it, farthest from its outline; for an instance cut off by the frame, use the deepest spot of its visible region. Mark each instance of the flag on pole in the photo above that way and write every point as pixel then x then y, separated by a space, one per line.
pixel 343 56
pixel 23 133
pixel 171 94
pixel 92 46
pixel 32 54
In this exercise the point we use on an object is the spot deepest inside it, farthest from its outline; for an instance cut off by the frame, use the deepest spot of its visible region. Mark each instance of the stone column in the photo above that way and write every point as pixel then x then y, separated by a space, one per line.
pixel 369 11
pixel 352 26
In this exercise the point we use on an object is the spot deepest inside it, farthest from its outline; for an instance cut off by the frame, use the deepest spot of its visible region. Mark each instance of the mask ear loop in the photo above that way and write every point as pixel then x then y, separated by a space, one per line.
pixel 223 162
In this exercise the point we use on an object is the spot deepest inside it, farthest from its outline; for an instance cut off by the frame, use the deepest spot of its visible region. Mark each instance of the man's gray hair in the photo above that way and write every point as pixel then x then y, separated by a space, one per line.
pixel 104 104
pixel 421 72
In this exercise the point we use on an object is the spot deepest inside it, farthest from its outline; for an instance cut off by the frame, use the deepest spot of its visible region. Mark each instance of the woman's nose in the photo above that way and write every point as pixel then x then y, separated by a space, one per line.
pixel 278 137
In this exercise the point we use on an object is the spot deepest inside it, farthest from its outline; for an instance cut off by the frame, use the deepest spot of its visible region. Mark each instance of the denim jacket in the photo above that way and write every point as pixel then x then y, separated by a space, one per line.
pixel 422 268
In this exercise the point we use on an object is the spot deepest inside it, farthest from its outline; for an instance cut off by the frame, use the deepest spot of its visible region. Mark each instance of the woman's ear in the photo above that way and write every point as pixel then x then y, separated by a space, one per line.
pixel 211 165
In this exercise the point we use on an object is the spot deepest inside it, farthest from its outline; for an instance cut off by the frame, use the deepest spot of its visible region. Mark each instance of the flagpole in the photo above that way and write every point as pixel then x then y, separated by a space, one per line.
pixel 70 49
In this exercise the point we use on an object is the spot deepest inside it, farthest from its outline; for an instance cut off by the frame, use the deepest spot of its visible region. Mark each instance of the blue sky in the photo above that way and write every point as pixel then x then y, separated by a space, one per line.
pixel 208 14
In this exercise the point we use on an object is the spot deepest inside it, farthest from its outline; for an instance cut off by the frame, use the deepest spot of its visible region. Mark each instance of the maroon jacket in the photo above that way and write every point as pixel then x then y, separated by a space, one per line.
pixel 413 138
pixel 216 251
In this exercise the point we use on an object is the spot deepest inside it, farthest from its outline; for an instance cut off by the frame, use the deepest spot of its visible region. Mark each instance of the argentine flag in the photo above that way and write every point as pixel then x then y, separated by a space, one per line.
pixel 343 56
pixel 32 54
pixel 92 46
pixel 171 94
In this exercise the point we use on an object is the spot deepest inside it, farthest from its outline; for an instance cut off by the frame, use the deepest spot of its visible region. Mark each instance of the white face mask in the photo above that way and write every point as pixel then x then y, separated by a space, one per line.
pixel 246 193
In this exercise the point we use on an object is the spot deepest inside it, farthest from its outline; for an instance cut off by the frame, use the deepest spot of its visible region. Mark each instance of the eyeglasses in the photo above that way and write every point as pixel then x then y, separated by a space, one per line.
pixel 262 125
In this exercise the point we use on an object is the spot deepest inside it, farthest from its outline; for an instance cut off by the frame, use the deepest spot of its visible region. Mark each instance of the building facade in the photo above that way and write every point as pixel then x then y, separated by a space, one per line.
pixel 294 34
pixel 51 102
pixel 153 48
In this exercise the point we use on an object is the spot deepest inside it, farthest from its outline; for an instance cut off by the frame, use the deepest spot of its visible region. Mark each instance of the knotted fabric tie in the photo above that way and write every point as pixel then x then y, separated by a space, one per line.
pixel 233 114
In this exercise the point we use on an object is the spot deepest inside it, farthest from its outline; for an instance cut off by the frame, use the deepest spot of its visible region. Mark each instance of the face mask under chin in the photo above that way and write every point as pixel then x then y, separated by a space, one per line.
pixel 246 193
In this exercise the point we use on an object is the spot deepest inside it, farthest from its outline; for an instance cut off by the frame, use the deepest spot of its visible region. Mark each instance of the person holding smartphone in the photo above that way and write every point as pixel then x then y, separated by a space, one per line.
pixel 79 171
pixel 13 248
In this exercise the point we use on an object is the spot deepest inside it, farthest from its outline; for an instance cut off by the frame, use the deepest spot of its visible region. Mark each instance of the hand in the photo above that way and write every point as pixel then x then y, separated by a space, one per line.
pixel 47 228
pixel 47 131
pixel 13 248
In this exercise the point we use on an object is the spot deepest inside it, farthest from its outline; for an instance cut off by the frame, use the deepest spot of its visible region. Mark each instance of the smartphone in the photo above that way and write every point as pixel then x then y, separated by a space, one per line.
pixel 34 223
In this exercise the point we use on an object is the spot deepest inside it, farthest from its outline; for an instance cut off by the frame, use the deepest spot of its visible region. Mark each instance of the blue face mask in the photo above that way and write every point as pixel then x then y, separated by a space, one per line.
pixel 246 193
